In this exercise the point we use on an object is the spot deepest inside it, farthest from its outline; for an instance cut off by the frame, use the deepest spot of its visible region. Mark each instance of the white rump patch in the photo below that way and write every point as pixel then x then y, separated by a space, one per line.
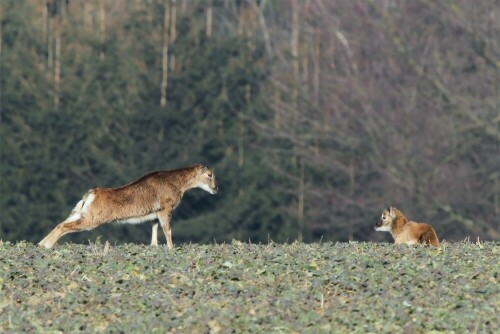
pixel 88 201
pixel 81 208
pixel 383 228
pixel 73 216
pixel 138 219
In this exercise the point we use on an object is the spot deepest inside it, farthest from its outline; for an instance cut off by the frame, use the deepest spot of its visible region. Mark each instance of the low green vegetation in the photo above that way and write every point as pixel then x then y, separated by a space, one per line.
pixel 244 287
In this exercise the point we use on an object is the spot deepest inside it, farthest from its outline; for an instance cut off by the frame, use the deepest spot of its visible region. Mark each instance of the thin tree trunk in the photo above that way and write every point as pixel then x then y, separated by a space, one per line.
pixel 240 19
pixel 316 70
pixel 241 148
pixel 316 80
pixel 294 45
pixel 64 11
pixel 87 14
pixel 305 71
pixel 166 20
pixel 209 19
pixel 173 33
pixel 50 50
pixel 277 104
pixel 102 26
pixel 300 208
pixel 259 9
pixel 295 50
pixel 45 26
pixel 496 190
pixel 352 185
pixel 57 69
pixel 1 42
pixel 306 44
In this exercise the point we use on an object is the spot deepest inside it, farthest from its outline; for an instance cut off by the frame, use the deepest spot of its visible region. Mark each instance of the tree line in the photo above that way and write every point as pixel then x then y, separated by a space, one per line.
pixel 315 114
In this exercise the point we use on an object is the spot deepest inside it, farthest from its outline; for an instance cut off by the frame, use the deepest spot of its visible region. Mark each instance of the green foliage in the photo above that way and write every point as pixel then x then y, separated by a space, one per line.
pixel 109 128
pixel 311 138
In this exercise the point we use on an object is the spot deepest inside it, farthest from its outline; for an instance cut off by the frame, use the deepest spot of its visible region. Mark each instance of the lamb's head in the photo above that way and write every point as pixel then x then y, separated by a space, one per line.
pixel 386 219
pixel 205 179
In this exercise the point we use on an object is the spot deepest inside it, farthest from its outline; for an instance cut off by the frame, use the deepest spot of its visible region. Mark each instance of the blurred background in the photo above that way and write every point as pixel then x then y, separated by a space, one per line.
pixel 315 114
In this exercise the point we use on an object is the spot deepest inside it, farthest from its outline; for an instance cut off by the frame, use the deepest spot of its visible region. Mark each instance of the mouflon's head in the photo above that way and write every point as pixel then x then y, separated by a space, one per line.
pixel 206 179
pixel 386 219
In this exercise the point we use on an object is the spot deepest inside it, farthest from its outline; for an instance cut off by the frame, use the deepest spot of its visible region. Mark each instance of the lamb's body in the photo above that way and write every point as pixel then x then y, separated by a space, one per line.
pixel 404 231
pixel 415 233
pixel 153 196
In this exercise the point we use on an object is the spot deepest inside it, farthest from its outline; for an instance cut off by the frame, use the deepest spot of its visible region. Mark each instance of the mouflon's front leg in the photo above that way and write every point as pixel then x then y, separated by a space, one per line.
pixel 154 235
pixel 165 216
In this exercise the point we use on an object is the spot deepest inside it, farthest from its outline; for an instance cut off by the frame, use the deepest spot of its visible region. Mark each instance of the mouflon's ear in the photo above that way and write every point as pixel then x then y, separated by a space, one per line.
pixel 203 168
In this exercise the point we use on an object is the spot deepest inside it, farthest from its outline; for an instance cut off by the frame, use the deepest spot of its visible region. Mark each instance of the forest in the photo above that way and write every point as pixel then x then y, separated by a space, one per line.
pixel 315 114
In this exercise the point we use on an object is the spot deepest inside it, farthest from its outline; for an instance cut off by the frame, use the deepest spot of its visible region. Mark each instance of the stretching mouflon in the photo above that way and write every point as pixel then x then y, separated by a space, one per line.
pixel 153 196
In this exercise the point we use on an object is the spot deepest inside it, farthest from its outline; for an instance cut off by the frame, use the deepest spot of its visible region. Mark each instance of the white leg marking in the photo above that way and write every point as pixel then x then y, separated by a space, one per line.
pixel 154 235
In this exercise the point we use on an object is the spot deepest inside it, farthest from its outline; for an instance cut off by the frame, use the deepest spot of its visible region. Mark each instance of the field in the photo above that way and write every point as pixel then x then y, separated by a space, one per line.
pixel 242 287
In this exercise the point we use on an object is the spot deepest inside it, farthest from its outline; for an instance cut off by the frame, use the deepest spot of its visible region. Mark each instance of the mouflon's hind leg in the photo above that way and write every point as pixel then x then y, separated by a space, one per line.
pixel 76 221
pixel 52 237
pixel 64 228
pixel 60 230
pixel 154 235
pixel 165 216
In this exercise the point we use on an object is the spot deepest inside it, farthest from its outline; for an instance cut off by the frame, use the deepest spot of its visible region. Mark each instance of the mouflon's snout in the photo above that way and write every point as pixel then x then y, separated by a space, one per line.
pixel 214 186
pixel 378 224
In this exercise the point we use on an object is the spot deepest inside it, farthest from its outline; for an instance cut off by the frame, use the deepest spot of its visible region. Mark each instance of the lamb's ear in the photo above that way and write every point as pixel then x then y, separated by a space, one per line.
pixel 391 211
